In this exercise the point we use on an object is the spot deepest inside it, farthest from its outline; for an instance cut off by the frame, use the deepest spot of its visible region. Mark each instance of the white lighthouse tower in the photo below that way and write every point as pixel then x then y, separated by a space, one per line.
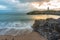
pixel 48 8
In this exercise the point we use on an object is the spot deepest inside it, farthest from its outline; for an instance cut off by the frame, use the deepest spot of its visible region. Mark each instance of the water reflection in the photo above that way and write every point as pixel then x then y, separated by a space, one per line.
pixel 37 17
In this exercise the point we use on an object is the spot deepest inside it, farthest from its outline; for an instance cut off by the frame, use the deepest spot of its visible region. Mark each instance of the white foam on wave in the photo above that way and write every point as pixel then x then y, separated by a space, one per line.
pixel 15 27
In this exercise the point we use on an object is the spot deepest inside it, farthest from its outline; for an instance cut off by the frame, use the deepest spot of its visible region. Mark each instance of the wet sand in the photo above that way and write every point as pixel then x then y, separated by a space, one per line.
pixel 30 36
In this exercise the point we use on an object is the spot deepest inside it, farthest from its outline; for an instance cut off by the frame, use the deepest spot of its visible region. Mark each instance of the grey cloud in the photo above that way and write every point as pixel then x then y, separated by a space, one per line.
pixel 16 5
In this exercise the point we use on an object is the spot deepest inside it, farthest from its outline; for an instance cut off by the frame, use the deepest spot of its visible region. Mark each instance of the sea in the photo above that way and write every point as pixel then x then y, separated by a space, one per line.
pixel 19 24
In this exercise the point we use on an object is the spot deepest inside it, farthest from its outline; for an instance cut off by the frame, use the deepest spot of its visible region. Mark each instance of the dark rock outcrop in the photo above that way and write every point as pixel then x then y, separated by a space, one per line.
pixel 49 28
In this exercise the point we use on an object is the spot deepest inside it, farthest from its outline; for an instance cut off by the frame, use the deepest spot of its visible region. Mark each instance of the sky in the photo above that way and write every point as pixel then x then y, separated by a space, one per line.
pixel 28 5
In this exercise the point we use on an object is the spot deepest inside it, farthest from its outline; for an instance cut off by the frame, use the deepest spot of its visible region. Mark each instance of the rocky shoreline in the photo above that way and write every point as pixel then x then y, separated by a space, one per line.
pixel 48 28
pixel 43 29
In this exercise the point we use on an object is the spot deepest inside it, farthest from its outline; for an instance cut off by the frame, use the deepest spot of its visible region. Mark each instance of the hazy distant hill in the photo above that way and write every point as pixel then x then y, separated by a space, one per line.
pixel 51 12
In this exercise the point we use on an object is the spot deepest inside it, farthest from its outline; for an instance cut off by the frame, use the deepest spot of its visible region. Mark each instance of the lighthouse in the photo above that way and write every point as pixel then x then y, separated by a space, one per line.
pixel 48 8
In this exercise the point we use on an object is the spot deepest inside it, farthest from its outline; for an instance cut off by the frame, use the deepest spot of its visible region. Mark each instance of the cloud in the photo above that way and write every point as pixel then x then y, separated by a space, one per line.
pixel 33 0
pixel 2 7
pixel 19 5
pixel 16 5
pixel 23 5
pixel 52 4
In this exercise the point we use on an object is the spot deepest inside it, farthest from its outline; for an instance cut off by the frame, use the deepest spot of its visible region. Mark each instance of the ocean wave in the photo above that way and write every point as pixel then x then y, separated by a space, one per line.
pixel 15 28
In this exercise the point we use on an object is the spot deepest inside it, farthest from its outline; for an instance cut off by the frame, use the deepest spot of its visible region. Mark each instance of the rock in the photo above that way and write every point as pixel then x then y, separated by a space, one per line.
pixel 49 28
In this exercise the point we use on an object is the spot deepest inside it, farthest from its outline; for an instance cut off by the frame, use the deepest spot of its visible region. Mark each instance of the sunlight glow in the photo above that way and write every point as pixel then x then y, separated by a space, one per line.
pixel 52 4
pixel 38 17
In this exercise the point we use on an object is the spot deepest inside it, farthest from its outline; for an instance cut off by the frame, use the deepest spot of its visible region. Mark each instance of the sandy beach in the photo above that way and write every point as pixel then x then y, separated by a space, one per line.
pixel 30 36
